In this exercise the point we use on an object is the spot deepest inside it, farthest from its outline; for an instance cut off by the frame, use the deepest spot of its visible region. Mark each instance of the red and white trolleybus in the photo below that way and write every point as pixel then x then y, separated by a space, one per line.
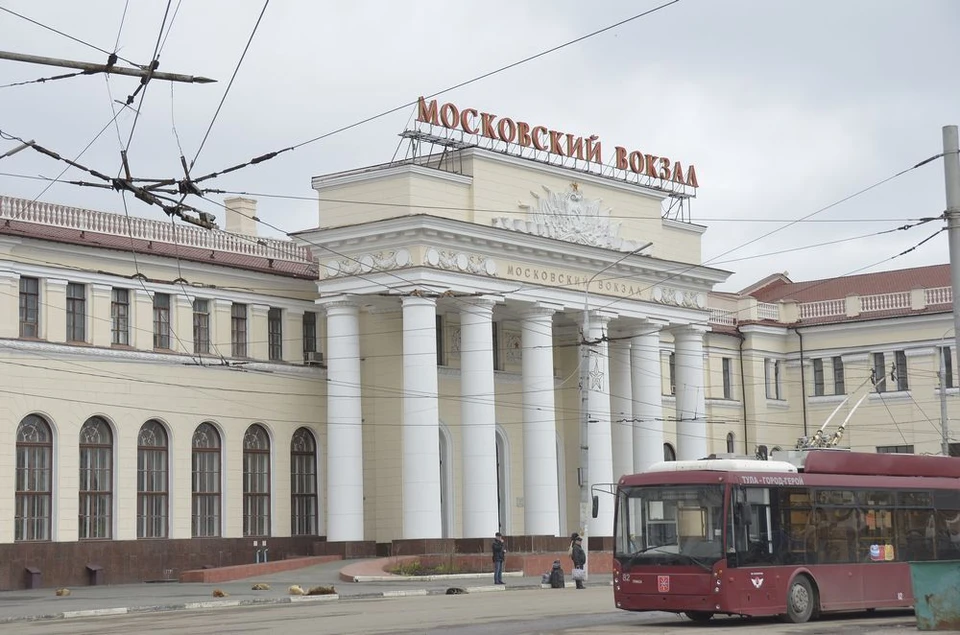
pixel 805 532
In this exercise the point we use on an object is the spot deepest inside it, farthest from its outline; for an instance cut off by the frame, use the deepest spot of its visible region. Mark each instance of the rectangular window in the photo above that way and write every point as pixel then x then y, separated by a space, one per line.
pixel 309 336
pixel 839 387
pixel 818 377
pixel 96 488
pixel 673 374
pixel 120 316
pixel 303 477
pixel 946 358
pixel 496 346
pixel 206 491
pixel 275 334
pixel 900 370
pixel 879 373
pixel 161 321
pixel 441 358
pixel 894 449
pixel 201 326
pixel 29 307
pixel 238 330
pixel 727 378
pixel 772 378
pixel 76 312
pixel 256 494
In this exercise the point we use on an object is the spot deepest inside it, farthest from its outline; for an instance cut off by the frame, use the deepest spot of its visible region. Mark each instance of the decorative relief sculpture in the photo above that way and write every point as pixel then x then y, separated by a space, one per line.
pixel 571 217
pixel 513 345
pixel 367 263
pixel 679 297
pixel 455 343
pixel 459 261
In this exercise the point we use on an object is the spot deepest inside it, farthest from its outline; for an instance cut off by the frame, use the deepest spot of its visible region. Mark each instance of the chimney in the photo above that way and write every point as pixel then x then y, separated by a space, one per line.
pixel 241 213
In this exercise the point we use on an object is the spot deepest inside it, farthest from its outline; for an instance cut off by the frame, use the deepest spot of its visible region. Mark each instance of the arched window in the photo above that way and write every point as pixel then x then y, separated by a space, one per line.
pixel 96 479
pixel 34 479
pixel 206 481
pixel 669 454
pixel 730 443
pixel 256 482
pixel 152 481
pixel 303 484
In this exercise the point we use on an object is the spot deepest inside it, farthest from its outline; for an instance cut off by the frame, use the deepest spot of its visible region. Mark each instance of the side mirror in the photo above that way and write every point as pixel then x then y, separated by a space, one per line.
pixel 596 505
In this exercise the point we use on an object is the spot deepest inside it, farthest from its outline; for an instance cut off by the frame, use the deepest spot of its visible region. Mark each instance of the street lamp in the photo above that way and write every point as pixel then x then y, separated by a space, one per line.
pixel 585 358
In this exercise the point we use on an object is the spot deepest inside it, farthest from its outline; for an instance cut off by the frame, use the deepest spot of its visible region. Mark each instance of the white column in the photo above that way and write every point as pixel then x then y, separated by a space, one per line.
pixel 621 408
pixel 344 431
pixel 691 401
pixel 541 505
pixel 421 420
pixel 478 419
pixel 600 452
pixel 647 401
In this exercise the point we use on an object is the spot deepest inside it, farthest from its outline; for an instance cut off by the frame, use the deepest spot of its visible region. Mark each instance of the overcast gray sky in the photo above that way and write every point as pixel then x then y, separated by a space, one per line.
pixel 783 106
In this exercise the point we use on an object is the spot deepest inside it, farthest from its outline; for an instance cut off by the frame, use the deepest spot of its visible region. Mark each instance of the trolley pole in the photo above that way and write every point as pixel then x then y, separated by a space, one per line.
pixel 951 174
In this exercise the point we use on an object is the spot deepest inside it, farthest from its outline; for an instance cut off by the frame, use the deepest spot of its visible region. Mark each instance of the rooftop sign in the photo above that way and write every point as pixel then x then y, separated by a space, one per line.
pixel 558 147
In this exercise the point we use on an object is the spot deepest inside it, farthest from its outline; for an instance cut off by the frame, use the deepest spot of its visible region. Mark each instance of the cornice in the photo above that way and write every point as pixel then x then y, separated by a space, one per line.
pixel 374 173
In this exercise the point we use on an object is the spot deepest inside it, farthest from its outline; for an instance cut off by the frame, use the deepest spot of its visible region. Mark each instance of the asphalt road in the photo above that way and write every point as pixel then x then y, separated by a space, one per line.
pixel 566 611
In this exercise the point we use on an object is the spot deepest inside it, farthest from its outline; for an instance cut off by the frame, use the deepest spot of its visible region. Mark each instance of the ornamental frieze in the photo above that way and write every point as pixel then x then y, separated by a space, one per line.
pixel 367 263
pixel 679 297
pixel 459 261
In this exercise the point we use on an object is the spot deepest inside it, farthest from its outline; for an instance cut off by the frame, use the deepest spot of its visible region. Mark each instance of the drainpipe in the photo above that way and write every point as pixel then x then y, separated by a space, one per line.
pixel 743 394
pixel 803 383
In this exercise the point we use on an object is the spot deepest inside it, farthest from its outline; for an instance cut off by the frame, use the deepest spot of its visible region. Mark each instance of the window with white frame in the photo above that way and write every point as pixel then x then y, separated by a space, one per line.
pixel 772 370
pixel 206 481
pixel 76 312
pixel 29 307
pixel 120 316
pixel 303 484
pixel 238 330
pixel 34 480
pixel 256 482
pixel 201 326
pixel 161 321
pixel 152 481
pixel 275 334
pixel 727 378
pixel 96 479
pixel 818 389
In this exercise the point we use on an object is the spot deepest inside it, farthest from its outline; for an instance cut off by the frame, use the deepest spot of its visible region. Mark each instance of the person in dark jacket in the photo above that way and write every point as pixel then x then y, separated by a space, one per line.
pixel 579 557
pixel 499 554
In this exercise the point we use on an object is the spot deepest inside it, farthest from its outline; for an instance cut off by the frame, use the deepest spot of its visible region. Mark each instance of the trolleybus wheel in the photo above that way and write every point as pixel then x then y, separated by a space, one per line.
pixel 801 600
pixel 699 616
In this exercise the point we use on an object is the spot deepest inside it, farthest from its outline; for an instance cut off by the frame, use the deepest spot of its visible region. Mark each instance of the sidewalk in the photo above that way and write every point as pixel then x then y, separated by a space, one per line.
pixel 88 601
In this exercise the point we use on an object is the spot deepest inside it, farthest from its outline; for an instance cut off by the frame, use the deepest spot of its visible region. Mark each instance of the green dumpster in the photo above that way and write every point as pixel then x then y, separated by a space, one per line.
pixel 936 594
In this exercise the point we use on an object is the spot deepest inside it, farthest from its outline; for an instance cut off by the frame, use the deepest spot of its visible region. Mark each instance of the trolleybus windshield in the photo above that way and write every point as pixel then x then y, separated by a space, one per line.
pixel 674 524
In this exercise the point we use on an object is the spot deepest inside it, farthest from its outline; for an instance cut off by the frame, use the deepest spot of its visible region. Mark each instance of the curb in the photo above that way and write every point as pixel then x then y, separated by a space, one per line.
pixel 293 599
pixel 431 578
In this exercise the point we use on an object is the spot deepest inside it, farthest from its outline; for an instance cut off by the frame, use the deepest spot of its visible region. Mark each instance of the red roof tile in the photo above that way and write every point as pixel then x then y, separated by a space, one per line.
pixel 929 277
pixel 286 268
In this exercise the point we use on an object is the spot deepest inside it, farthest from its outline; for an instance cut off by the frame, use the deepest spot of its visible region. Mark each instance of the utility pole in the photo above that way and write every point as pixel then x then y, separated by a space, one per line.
pixel 586 357
pixel 88 67
pixel 951 174
pixel 944 421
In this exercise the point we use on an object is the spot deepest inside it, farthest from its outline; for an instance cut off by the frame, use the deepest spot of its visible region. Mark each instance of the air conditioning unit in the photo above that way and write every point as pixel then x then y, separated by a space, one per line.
pixel 313 358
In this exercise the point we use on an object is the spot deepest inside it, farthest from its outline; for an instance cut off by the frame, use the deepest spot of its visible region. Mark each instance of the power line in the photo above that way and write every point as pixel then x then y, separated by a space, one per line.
pixel 271 155
pixel 70 37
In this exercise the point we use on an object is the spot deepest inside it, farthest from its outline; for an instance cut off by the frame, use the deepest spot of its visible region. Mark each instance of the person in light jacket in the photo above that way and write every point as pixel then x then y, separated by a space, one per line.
pixel 579 557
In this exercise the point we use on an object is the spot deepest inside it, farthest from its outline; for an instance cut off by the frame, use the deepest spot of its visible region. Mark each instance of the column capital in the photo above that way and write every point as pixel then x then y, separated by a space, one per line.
pixel 259 308
pixel 58 282
pixel 599 317
pixel 689 331
pixel 540 310
pixel 418 300
pixel 482 301
pixel 336 301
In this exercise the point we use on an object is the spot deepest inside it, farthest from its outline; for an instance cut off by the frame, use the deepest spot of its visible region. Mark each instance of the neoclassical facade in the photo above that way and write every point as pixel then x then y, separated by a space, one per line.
pixel 458 346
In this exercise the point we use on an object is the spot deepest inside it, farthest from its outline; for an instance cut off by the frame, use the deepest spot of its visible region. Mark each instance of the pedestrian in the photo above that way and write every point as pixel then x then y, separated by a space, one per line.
pixel 579 557
pixel 499 553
